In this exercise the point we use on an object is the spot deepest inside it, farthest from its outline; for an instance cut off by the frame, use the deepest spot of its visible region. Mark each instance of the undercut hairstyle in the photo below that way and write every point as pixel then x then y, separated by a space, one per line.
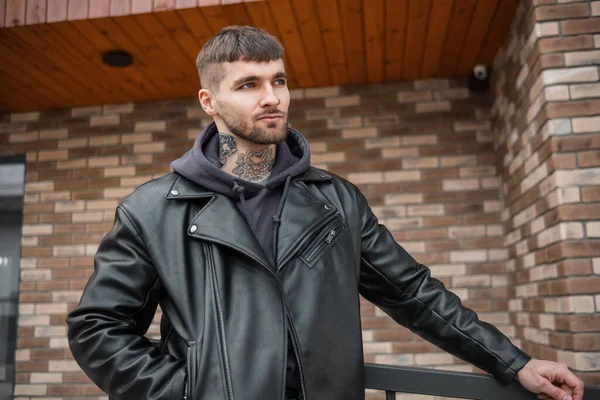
pixel 235 43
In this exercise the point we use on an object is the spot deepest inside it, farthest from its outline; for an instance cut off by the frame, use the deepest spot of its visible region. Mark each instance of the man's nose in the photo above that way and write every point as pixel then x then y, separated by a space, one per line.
pixel 269 99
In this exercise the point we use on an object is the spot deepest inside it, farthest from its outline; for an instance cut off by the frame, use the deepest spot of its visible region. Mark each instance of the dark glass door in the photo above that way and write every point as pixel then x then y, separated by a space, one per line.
pixel 12 177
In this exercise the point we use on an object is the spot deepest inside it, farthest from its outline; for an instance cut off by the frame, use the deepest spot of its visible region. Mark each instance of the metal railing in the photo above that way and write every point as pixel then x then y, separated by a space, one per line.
pixel 461 385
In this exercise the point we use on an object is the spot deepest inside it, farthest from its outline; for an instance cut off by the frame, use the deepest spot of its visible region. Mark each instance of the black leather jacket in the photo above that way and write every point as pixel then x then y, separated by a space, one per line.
pixel 226 312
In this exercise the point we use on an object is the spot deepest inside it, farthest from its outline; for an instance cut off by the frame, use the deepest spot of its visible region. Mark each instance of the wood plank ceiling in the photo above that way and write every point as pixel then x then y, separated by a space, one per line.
pixel 327 42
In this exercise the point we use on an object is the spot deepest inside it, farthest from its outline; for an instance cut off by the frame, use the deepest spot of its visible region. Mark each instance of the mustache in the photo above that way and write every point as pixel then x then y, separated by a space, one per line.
pixel 271 112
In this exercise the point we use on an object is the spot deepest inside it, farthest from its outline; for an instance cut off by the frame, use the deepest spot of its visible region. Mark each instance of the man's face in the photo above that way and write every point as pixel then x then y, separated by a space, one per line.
pixel 253 100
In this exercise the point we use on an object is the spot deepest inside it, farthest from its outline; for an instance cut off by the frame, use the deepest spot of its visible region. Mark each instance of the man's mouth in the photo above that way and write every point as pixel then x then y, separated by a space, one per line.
pixel 271 117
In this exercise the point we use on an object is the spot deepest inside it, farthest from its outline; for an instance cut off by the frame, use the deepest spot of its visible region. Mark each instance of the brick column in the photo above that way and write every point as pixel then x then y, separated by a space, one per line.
pixel 547 122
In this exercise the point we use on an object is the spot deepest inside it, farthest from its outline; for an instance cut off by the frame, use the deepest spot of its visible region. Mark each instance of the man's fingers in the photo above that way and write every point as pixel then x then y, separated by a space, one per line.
pixel 555 392
pixel 573 382
pixel 578 391
pixel 576 385
pixel 566 388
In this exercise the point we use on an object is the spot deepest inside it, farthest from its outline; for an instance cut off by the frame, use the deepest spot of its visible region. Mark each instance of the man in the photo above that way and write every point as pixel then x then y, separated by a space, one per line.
pixel 258 261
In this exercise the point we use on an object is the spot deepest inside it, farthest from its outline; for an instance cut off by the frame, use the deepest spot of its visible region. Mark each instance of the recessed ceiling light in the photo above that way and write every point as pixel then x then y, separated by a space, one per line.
pixel 117 58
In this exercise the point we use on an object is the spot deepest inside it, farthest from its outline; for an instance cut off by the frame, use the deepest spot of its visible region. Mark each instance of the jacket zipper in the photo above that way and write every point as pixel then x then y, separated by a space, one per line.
pixel 221 324
pixel 324 240
pixel 290 325
pixel 297 353
pixel 306 237
pixel 294 337
pixel 191 373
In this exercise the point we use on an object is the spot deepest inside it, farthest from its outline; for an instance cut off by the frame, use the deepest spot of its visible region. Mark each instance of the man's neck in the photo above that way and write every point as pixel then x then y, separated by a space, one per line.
pixel 245 160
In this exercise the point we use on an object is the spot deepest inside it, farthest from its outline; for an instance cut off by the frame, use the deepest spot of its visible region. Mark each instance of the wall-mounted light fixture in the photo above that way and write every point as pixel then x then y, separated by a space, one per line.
pixel 117 58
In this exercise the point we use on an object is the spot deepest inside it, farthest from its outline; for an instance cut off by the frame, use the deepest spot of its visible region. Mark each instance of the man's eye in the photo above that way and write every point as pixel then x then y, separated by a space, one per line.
pixel 280 82
pixel 247 85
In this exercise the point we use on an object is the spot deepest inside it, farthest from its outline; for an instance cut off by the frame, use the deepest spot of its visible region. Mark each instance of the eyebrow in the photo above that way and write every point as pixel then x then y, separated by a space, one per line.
pixel 250 78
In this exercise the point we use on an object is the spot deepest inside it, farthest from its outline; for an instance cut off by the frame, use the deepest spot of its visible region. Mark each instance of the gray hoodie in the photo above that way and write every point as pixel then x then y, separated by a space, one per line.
pixel 260 203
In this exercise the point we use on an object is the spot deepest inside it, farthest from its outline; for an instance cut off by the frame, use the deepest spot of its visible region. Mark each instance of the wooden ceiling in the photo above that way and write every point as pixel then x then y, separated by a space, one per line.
pixel 327 42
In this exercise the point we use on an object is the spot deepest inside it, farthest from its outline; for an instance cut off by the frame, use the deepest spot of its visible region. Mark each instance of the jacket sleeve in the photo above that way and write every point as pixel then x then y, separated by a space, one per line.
pixel 404 289
pixel 106 330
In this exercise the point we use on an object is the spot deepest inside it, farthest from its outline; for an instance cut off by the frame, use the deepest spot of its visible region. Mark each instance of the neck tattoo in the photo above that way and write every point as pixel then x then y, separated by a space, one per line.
pixel 253 165
pixel 227 147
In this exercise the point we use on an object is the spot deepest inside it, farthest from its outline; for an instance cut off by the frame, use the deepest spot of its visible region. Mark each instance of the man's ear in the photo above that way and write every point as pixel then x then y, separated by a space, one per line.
pixel 207 102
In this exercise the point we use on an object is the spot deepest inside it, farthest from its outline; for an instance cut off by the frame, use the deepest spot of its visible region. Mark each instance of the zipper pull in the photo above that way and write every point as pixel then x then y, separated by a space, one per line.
pixel 330 236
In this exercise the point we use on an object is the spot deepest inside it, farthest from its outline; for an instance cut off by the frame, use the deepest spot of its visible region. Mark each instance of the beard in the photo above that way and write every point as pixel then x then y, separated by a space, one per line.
pixel 273 134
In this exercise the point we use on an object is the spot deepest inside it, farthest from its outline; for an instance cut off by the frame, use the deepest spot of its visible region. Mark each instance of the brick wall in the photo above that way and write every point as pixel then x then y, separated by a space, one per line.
pixel 422 152
pixel 547 132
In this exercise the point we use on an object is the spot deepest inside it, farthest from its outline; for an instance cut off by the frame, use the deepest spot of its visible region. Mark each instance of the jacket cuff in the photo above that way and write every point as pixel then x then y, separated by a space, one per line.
pixel 510 373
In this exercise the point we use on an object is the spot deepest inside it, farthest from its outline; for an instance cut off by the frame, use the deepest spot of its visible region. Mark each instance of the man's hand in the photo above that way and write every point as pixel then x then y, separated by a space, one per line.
pixel 550 381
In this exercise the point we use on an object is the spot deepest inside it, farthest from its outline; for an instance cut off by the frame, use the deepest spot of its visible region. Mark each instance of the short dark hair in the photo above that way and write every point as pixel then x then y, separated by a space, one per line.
pixel 231 44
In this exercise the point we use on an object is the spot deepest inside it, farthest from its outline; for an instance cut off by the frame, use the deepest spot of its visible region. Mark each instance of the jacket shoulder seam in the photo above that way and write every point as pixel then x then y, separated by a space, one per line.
pixel 126 214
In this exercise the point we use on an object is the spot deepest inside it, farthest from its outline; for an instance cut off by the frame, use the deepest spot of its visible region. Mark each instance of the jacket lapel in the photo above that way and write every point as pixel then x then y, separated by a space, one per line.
pixel 218 221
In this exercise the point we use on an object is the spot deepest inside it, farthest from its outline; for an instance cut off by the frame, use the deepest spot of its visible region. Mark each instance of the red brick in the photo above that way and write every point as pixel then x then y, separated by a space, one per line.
pixel 36 252
pixel 576 143
pixel 578 323
pixel 22 377
pixel 577 342
pixel 65 390
pixel 411 347
pixel 588 159
pixel 590 194
pixel 579 26
pixel 73 377
pixel 479 305
pixel 375 322
pixel 32 343
pixel 57 319
pixel 27 286
pixel 77 284
pixel 32 366
pixel 489 293
pixel 46 240
pixel 52 285
pixel 71 185
pixel 562 11
pixel 25 331
pixel 34 297
pixel 574 267
pixel 54 262
pixel 68 274
pixel 87 194
pixel 572 108
pixel 54 218
pixel 565 43
pixel 38 208
pixel 47 354
pixel 392 334
pixel 71 228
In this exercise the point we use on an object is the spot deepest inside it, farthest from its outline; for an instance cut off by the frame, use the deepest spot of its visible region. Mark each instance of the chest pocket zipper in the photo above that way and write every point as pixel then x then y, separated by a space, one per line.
pixel 328 237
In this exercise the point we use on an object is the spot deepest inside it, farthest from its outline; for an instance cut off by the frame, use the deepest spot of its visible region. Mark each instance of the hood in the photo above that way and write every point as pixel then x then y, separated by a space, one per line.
pixel 201 164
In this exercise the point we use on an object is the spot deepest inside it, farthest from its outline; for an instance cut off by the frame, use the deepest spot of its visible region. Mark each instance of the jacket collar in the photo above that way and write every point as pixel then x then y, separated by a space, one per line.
pixel 313 174
pixel 220 221
pixel 183 189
